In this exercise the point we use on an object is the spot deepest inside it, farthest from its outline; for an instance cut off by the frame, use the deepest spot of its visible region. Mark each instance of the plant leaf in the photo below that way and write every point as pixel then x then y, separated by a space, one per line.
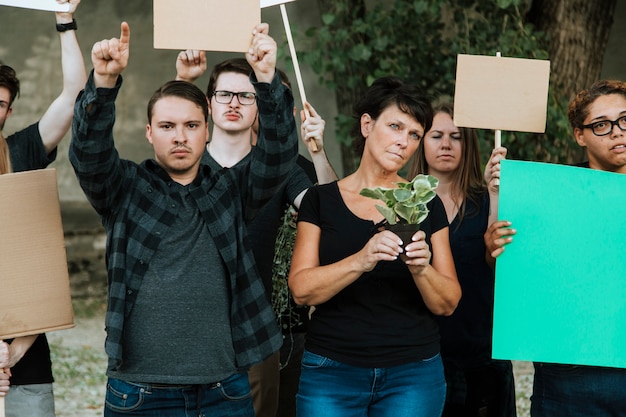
pixel 402 194
pixel 375 193
pixel 388 213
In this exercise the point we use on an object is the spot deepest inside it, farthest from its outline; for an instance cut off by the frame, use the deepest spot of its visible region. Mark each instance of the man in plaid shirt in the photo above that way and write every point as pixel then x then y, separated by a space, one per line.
pixel 187 314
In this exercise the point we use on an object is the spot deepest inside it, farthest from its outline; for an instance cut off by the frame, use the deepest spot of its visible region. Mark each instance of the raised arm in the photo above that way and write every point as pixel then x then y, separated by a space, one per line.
pixel 92 150
pixel 276 149
pixel 57 119
pixel 190 65
pixel 492 178
pixel 312 130
pixel 312 133
pixel 110 58
pixel 262 54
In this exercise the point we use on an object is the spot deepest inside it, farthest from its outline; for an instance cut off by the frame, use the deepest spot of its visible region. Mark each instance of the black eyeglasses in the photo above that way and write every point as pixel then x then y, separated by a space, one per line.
pixel 604 127
pixel 225 97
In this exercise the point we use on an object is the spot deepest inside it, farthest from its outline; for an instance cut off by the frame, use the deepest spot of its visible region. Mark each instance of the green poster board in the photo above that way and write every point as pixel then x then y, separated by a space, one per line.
pixel 560 291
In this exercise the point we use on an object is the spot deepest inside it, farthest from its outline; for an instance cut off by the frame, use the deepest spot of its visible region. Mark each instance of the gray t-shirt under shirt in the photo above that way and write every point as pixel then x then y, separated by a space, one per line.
pixel 179 329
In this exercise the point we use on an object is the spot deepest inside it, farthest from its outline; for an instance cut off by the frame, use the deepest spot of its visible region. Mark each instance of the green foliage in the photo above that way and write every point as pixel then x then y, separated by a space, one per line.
pixel 407 202
pixel 282 304
pixel 360 41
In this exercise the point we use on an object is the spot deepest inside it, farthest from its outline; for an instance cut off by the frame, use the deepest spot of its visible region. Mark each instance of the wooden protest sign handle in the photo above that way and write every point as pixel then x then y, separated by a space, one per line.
pixel 497 141
pixel 498 135
pixel 296 65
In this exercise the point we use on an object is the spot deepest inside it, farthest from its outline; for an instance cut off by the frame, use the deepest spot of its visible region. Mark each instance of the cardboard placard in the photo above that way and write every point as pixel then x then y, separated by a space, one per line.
pixel 207 25
pixel 50 5
pixel 36 294
pixel 501 93
pixel 268 3
pixel 560 286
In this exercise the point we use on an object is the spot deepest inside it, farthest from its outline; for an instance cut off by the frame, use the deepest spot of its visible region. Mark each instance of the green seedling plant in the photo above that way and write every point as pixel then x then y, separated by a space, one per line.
pixel 407 203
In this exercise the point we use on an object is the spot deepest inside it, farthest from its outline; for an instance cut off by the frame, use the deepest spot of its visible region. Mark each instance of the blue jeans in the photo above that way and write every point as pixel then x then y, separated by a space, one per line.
pixel 578 391
pixel 228 398
pixel 332 389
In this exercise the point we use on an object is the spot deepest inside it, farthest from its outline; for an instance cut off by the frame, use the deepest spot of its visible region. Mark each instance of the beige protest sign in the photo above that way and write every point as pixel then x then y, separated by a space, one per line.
pixel 208 25
pixel 501 93
pixel 50 5
pixel 33 266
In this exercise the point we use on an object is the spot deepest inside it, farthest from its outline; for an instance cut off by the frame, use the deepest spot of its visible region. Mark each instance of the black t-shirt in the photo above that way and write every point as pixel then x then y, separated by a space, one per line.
pixel 466 334
pixel 380 320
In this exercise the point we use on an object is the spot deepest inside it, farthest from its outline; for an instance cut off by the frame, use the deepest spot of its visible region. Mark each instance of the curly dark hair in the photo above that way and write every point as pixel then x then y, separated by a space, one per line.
pixel 579 106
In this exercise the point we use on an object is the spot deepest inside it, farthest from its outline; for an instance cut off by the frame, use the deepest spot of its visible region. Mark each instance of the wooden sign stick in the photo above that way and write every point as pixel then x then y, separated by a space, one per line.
pixel 296 66
pixel 498 135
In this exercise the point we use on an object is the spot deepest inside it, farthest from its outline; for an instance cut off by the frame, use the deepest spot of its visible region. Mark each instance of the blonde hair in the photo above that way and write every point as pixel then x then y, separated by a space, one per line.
pixel 5 157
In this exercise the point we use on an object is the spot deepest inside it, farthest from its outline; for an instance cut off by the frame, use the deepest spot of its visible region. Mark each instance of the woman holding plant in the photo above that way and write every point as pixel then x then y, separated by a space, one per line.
pixel 373 345
pixel 476 384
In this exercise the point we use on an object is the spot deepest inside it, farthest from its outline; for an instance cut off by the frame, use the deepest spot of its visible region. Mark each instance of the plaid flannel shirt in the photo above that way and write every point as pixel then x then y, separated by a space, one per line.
pixel 136 209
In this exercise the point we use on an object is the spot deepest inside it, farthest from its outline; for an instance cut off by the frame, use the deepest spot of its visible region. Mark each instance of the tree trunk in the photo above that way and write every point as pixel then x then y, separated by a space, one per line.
pixel 578 31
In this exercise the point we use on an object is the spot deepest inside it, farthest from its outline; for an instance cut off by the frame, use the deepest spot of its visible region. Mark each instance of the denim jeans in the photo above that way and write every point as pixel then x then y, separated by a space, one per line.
pixel 578 391
pixel 30 400
pixel 332 389
pixel 228 398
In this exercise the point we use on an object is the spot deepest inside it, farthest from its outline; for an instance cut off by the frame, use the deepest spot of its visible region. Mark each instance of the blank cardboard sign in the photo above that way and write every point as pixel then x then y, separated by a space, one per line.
pixel 50 5
pixel 501 93
pixel 33 266
pixel 208 25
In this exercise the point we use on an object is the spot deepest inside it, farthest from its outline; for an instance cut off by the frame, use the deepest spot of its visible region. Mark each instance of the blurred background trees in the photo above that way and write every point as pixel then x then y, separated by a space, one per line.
pixel 358 41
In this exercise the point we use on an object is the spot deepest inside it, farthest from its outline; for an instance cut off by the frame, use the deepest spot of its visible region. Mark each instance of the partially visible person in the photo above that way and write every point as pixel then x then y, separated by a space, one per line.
pixel 597 116
pixel 186 315
pixel 372 347
pixel 26 360
pixel 234 114
pixel 293 319
pixel 476 384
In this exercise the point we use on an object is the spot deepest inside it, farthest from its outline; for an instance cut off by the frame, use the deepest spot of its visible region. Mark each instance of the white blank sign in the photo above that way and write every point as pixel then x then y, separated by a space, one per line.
pixel 50 5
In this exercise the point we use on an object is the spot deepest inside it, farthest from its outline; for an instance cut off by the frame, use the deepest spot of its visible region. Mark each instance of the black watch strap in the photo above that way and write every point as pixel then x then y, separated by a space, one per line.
pixel 62 27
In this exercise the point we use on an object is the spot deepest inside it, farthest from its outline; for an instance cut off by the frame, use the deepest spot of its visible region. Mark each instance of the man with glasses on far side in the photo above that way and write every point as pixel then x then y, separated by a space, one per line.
pixel 233 110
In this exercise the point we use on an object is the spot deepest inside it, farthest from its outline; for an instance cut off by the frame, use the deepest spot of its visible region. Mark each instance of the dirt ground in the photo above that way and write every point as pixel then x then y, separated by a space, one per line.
pixel 79 365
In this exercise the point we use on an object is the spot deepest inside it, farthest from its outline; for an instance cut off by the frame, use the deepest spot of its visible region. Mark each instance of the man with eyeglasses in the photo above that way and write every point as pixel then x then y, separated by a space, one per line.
pixel 234 114
pixel 598 119
pixel 27 359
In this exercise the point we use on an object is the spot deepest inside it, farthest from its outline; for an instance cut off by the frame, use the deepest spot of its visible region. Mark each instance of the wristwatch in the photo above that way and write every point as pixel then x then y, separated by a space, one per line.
pixel 62 27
